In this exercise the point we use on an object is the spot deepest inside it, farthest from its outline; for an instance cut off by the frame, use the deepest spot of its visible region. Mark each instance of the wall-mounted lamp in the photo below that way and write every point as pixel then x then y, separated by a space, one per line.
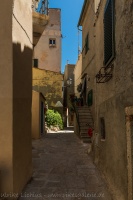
pixel 69 83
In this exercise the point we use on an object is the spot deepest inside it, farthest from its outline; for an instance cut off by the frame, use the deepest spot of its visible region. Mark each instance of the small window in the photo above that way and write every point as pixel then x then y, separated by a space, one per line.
pixel 90 98
pixel 102 127
pixel 86 43
pixel 35 62
pixel 52 42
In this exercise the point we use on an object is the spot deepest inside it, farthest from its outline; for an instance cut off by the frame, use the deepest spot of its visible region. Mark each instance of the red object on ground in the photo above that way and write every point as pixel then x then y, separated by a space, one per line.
pixel 90 132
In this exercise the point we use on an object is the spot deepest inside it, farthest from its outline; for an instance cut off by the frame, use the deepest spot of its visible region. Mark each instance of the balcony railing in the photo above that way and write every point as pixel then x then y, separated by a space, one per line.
pixel 43 7
pixel 40 6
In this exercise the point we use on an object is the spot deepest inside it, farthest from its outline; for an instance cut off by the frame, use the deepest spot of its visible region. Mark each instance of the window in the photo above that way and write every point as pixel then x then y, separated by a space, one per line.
pixel 35 62
pixel 109 32
pixel 90 98
pixel 86 43
pixel 52 42
pixel 102 127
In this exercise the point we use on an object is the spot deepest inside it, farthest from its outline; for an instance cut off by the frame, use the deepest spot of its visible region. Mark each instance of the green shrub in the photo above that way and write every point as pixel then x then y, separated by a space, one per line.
pixel 53 118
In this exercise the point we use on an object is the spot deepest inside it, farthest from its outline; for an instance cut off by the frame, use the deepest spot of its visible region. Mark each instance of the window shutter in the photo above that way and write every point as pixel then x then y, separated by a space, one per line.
pixel 108 32
pixel 86 43
pixel 90 98
pixel 102 123
pixel 35 63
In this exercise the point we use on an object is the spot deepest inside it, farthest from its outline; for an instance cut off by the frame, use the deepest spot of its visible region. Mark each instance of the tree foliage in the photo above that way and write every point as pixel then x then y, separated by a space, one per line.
pixel 53 118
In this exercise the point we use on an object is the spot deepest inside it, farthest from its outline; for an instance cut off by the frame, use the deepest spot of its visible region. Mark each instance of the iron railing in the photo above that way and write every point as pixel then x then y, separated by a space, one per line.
pixel 40 6
pixel 43 7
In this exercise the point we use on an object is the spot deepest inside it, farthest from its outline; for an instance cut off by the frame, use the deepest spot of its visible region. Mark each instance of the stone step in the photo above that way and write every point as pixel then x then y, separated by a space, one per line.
pixel 87 123
pixel 84 131
pixel 86 126
pixel 86 140
pixel 82 115
pixel 83 110
pixel 84 135
pixel 85 114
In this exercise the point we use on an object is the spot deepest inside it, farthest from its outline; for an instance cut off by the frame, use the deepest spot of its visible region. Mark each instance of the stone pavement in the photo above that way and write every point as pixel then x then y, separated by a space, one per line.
pixel 64 170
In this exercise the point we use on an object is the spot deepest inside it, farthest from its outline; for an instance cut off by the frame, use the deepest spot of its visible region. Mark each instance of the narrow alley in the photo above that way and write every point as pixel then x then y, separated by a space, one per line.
pixel 62 169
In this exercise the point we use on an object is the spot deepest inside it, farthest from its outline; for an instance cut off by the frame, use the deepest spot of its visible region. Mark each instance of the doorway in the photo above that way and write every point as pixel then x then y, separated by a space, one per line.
pixel 42 117
pixel 129 135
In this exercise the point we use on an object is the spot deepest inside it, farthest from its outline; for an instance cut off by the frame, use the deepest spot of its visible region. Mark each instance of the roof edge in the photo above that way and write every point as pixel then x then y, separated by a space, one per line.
pixel 82 12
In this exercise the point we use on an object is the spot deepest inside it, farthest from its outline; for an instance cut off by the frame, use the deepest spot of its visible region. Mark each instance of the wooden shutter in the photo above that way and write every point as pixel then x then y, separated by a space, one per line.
pixel 35 63
pixel 102 124
pixel 86 43
pixel 90 98
pixel 109 32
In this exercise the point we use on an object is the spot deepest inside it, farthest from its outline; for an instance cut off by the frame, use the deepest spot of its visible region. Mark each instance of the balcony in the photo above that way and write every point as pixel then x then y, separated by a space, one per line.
pixel 40 20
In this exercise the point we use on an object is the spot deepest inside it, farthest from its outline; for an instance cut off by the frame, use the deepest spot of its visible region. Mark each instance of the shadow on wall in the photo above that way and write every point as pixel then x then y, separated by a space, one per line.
pixel 22 102
pixel 50 92
pixel 16 160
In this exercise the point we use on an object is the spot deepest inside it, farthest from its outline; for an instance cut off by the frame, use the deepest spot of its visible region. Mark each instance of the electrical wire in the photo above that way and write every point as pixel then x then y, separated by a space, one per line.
pixel 21 25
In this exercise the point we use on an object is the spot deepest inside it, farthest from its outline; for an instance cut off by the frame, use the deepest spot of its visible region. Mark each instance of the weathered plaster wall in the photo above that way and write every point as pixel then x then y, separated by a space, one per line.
pixel 36 114
pixel 89 58
pixel 6 95
pixel 77 75
pixel 67 91
pixel 49 58
pixel 22 93
pixel 15 95
pixel 49 84
pixel 111 98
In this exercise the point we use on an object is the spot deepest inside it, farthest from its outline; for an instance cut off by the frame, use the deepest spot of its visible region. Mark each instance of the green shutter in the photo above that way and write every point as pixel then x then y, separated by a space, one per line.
pixel 35 63
pixel 109 32
pixel 90 98
pixel 86 43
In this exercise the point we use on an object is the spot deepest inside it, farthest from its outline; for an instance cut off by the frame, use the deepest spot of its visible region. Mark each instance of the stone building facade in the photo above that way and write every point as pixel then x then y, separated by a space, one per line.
pixel 67 91
pixel 49 84
pixel 15 95
pixel 77 75
pixel 107 70
pixel 47 52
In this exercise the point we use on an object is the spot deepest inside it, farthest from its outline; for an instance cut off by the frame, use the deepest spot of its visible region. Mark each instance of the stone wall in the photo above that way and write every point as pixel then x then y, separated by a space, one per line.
pixel 49 83
pixel 111 98
pixel 15 95
pixel 49 57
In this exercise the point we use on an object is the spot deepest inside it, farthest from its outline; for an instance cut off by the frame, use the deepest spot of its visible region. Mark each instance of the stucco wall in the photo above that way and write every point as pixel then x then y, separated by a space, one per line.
pixel 49 84
pixel 49 58
pixel 77 75
pixel 67 91
pixel 6 95
pixel 22 92
pixel 111 98
pixel 15 95
pixel 89 57
pixel 36 114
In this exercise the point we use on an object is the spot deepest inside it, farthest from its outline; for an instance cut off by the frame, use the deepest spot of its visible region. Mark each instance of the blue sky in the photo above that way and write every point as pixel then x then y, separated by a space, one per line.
pixel 70 13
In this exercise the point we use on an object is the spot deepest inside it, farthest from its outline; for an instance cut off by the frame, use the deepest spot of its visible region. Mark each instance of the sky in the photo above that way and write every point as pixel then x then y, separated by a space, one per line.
pixel 70 13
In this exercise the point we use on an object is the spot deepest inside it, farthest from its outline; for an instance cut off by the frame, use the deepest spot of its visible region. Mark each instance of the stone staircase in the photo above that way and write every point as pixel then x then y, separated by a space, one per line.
pixel 85 122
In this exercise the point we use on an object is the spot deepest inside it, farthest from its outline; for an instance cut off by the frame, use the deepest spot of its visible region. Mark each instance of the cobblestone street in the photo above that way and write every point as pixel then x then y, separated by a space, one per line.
pixel 62 169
